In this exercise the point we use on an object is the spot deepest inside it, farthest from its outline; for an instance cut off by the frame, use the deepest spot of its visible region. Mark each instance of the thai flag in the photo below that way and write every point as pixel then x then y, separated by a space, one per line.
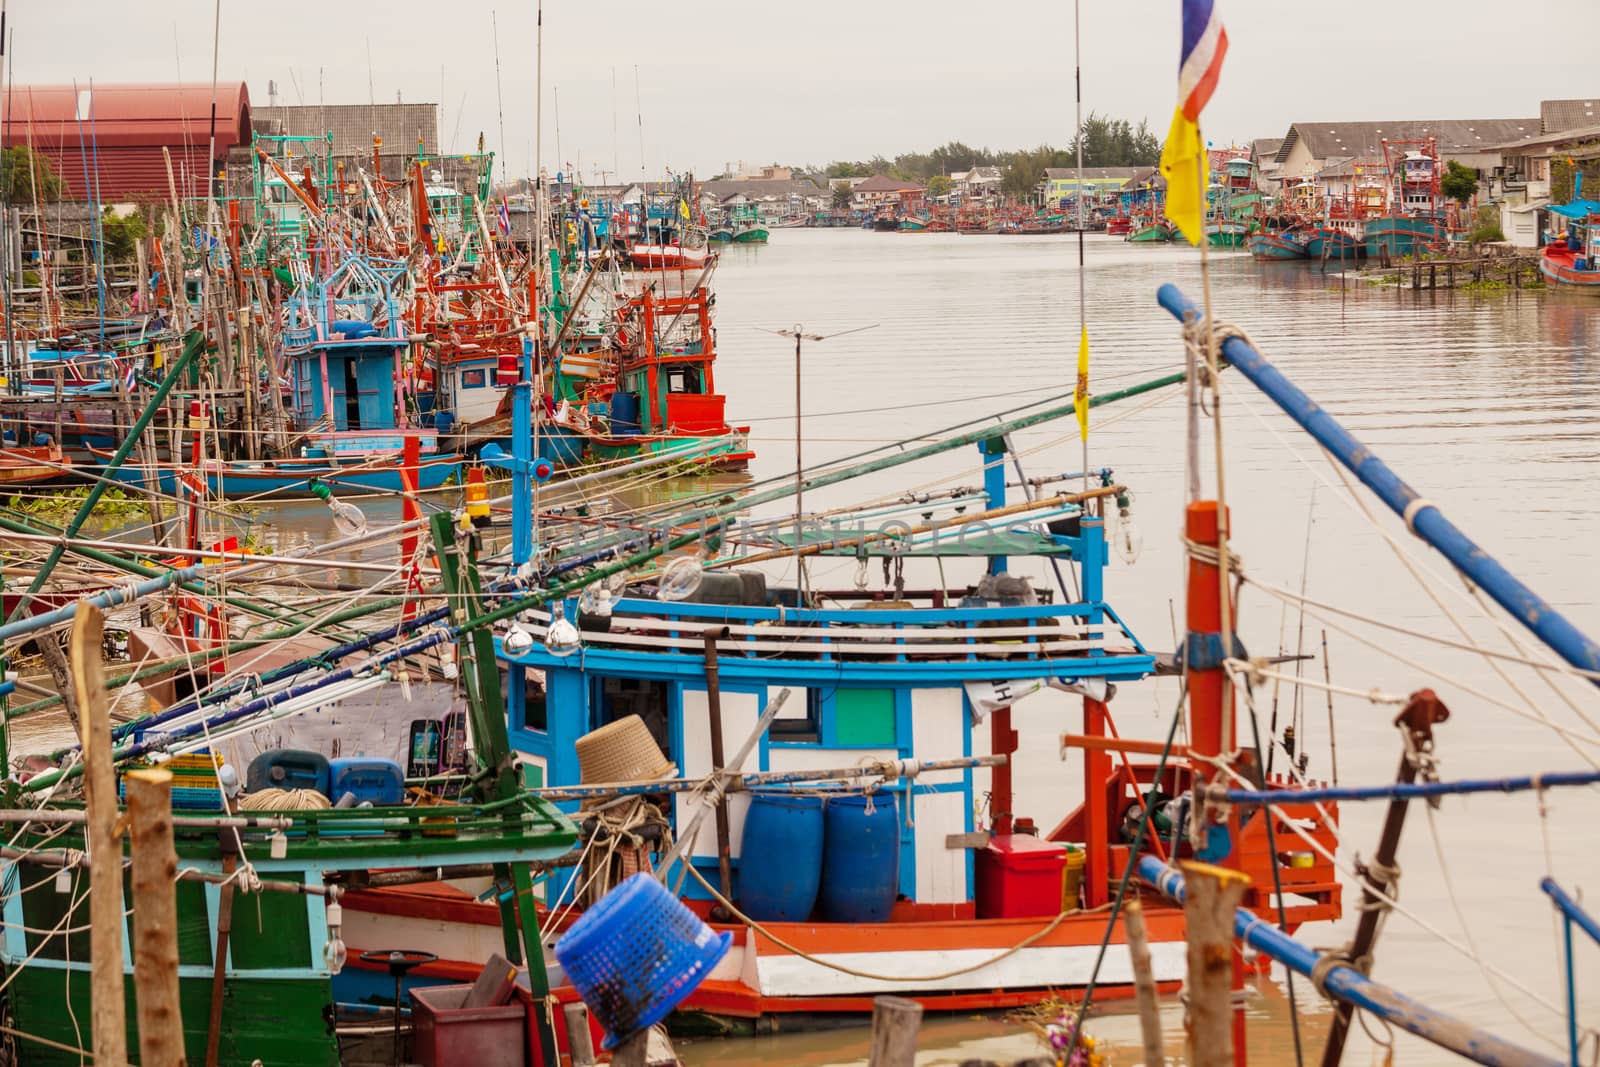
pixel 1205 42
pixel 130 376
pixel 505 218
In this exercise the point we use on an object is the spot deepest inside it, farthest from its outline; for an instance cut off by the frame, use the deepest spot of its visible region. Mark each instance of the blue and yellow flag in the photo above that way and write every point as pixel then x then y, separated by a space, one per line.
pixel 1183 157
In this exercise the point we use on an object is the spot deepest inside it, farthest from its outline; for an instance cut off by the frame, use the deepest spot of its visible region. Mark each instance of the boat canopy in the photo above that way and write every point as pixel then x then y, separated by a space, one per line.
pixel 1578 209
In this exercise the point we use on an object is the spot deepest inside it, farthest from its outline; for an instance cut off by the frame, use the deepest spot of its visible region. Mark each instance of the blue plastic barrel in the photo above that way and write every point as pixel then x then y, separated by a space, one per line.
pixel 780 856
pixel 624 412
pixel 378 781
pixel 860 858
pixel 287 768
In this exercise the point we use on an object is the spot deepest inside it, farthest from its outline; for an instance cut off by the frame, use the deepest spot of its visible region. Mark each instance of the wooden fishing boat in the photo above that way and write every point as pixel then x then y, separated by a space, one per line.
pixel 1328 241
pixel 286 478
pixel 1278 245
pixel 1227 233
pixel 926 681
pixel 1119 225
pixel 31 464
pixel 750 235
pixel 1574 258
pixel 1154 231
pixel 1414 220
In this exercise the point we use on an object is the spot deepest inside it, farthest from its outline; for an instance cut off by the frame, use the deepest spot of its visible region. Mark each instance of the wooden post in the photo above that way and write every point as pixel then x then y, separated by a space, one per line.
pixel 155 918
pixel 219 971
pixel 109 1017
pixel 579 1039
pixel 714 711
pixel 1212 895
pixel 895 1021
pixel 1144 984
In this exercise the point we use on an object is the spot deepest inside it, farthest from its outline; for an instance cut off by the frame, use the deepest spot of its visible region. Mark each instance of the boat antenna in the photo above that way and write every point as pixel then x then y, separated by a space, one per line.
pixel 638 111
pixel 556 89
pixel 1083 316
pixel 211 148
pixel 540 227
pixel 9 238
pixel 799 335
pixel 499 96
pixel 616 158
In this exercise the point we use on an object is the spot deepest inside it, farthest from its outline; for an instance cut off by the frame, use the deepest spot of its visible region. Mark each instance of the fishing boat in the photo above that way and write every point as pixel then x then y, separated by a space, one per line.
pixel 1119 225
pixel 1151 231
pixel 913 224
pixel 1573 258
pixel 1227 233
pixel 1414 219
pixel 1280 244
pixel 31 464
pixel 1327 241
pixel 666 247
pixel 294 477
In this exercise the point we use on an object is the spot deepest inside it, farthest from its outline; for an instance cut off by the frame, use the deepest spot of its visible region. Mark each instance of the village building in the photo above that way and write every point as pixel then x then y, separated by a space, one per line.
pixel 111 143
pixel 977 184
pixel 397 133
pixel 1264 154
pixel 880 191
pixel 1569 130
pixel 773 198
pixel 1060 184
pixel 1308 148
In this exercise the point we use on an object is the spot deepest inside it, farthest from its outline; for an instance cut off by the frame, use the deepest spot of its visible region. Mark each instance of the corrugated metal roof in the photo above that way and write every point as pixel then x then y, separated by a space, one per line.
pixel 122 129
pixel 1338 140
pixel 353 126
pixel 1558 115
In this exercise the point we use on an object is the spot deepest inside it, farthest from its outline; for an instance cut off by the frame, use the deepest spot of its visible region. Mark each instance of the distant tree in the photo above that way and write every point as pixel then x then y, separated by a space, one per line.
pixel 939 185
pixel 841 197
pixel 845 169
pixel 1486 227
pixel 1459 183
pixel 120 234
pixel 21 170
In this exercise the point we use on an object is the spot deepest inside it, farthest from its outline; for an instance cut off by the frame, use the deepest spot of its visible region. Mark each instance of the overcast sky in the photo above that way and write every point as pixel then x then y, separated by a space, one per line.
pixel 819 80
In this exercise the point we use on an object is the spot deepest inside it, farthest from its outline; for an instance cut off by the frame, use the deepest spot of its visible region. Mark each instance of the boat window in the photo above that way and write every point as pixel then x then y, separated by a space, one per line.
pixel 797 722
pixel 683 380
pixel 474 379
pixel 614 698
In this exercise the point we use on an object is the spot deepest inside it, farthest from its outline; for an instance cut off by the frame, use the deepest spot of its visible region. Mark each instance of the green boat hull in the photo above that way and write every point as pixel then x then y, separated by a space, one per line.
pixel 754 236
pixel 274 1020
pixel 1152 234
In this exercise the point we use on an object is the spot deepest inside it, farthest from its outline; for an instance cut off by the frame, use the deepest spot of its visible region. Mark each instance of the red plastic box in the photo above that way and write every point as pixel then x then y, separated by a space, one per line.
pixel 448 1035
pixel 1019 877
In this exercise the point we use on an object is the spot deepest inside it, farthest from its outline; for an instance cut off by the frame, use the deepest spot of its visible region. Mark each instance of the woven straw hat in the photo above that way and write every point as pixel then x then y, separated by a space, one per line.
pixel 621 751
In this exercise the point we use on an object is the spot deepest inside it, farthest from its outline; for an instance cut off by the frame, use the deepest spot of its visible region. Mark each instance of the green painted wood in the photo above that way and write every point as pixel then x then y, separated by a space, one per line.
pixel 864 718
pixel 278 1021
pixel 271 930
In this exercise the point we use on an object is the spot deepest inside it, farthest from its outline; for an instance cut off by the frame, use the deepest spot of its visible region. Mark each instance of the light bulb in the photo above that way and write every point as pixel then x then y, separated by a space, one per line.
pixel 517 640
pixel 680 578
pixel 595 600
pixel 334 955
pixel 561 639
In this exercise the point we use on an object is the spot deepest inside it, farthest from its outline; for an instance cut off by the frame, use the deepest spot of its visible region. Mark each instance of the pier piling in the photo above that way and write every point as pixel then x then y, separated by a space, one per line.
pixel 155 918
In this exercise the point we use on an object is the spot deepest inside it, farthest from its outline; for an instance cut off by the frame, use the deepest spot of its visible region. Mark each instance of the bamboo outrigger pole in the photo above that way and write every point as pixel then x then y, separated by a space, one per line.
pixel 193 346
pixel 1420 514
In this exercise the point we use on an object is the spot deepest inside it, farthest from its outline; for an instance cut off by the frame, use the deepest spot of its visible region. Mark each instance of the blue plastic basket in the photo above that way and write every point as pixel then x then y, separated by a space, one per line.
pixel 636 955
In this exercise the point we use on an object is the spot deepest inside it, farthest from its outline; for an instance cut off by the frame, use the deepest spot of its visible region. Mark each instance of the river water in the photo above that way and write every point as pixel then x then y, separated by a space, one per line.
pixel 1486 402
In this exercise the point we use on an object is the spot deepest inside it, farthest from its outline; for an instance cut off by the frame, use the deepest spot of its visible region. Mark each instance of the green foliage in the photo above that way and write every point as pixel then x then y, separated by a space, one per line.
pixel 62 504
pixel 939 185
pixel 121 233
pixel 1563 186
pixel 841 197
pixel 1106 143
pixel 1114 143
pixel 21 171
pixel 1486 226
pixel 1459 183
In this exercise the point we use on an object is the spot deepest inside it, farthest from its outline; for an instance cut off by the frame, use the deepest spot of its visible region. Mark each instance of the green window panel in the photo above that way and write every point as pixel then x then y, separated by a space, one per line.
pixel 864 718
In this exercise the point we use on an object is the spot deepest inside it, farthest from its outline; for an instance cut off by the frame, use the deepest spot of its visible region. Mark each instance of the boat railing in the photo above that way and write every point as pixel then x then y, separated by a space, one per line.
pixel 1013 635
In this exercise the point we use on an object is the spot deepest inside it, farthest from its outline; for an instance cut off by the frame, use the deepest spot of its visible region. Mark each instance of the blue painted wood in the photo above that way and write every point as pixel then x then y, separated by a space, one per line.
pixel 1353 987
pixel 1425 518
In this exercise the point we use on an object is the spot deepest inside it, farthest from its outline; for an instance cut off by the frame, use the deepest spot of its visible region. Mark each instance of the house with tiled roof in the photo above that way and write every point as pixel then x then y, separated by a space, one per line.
pixel 1308 147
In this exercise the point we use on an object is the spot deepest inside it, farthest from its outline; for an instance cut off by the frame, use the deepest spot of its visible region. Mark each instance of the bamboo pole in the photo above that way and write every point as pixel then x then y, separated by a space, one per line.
pixel 1144 984
pixel 1213 896
pixel 155 918
pixel 109 1010
pixel 895 1021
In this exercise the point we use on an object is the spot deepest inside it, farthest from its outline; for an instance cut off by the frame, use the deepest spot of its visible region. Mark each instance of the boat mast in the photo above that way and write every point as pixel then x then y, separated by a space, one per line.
pixel 1083 318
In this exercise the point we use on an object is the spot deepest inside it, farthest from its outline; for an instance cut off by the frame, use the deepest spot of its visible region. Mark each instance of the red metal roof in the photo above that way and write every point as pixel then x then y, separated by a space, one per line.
pixel 126 126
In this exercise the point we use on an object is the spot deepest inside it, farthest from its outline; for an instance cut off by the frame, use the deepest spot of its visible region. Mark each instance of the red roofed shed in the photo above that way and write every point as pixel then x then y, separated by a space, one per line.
pixel 118 131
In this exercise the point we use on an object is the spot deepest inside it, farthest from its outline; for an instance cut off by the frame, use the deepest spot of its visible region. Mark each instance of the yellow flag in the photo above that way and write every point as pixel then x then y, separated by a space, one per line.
pixel 1080 399
pixel 683 208
pixel 1183 164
